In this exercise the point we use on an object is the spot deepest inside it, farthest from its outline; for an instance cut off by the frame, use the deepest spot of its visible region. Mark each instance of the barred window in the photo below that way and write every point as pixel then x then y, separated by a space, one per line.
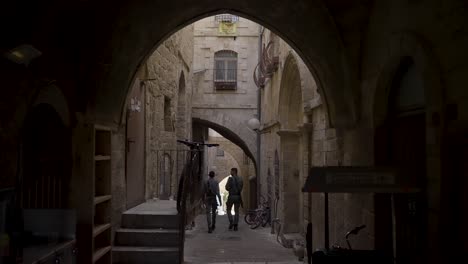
pixel 225 70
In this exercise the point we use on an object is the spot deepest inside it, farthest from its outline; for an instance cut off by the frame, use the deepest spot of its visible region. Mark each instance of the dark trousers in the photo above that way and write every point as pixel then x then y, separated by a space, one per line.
pixel 233 200
pixel 211 207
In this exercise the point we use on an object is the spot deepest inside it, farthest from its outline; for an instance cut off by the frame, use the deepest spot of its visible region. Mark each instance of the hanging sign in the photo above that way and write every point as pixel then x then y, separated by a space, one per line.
pixel 227 28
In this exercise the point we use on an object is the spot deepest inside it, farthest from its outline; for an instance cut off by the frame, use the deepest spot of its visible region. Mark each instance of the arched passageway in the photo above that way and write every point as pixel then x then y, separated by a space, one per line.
pixel 325 58
pixel 237 133
pixel 94 49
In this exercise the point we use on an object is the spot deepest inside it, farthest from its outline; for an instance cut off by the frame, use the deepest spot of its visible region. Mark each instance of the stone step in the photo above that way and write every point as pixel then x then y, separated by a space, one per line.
pixel 149 221
pixel 288 239
pixel 145 255
pixel 147 237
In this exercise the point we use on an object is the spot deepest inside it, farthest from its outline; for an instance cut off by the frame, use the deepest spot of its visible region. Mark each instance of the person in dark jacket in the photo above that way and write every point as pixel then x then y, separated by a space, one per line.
pixel 234 186
pixel 211 190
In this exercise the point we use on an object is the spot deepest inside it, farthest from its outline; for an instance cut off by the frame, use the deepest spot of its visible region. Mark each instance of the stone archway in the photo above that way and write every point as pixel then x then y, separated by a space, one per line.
pixel 326 58
pixel 229 127
pixel 290 114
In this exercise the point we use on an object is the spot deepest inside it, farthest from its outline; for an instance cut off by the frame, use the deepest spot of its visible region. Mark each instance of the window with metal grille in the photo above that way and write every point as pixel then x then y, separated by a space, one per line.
pixel 225 70
pixel 226 18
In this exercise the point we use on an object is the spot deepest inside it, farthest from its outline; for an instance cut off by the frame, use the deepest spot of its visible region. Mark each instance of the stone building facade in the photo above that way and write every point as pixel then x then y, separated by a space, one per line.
pixel 296 135
pixel 146 157
pixel 224 96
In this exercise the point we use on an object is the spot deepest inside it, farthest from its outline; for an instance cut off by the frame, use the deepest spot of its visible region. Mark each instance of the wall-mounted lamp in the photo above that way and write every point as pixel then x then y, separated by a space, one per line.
pixel 23 54
pixel 254 124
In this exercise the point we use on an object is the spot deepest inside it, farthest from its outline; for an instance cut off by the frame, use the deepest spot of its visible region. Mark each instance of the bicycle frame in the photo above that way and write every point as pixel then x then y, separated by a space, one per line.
pixel 190 175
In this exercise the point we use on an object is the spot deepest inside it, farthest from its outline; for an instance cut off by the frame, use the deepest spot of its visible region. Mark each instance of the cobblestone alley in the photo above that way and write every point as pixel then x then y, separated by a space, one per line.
pixel 241 247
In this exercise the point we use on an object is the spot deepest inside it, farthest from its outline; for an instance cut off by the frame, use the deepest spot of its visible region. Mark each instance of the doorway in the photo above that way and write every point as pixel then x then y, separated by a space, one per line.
pixel 46 160
pixel 400 142
pixel 135 133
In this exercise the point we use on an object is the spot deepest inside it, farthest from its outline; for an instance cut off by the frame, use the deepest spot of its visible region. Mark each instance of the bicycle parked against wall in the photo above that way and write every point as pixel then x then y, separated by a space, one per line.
pixel 260 216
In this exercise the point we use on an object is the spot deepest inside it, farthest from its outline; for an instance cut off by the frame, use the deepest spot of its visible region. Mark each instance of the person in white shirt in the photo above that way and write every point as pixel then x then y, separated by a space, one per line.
pixel 234 186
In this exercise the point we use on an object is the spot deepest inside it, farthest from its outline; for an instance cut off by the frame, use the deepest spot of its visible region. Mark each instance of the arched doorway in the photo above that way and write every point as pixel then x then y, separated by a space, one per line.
pixel 401 143
pixel 46 160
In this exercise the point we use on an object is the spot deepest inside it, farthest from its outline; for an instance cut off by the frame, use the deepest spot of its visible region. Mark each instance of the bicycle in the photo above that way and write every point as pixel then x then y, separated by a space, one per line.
pixel 260 216
pixel 338 254
pixel 191 176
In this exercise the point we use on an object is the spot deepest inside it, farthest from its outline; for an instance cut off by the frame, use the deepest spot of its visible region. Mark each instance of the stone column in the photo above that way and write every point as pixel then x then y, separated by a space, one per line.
pixel 290 179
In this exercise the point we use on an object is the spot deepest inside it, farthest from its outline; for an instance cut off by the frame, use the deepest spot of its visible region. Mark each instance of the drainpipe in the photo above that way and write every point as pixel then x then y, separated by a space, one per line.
pixel 259 116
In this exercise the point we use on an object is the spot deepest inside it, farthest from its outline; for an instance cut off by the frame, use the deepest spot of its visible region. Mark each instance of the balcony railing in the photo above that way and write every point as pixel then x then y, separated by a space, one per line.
pixel 226 18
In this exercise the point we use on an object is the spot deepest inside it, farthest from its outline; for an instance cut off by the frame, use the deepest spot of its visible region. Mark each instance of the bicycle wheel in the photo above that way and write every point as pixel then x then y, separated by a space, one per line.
pixel 258 220
pixel 249 218
pixel 266 219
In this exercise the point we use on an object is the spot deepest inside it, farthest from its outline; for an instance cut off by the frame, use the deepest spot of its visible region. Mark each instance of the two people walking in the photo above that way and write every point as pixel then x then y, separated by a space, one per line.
pixel 234 186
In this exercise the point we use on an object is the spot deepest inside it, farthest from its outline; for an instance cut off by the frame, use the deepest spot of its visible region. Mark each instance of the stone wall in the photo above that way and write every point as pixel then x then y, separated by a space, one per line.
pixel 295 138
pixel 168 72
pixel 165 72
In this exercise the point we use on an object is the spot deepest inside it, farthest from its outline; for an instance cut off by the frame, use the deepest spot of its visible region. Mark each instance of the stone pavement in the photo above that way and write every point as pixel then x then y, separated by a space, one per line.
pixel 228 247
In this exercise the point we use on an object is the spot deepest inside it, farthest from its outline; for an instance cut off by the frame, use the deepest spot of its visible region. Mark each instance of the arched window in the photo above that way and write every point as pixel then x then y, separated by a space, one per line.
pixel 407 90
pixel 225 70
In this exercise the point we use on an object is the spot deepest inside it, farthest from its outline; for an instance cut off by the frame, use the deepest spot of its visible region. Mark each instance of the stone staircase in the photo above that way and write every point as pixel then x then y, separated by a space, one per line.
pixel 149 234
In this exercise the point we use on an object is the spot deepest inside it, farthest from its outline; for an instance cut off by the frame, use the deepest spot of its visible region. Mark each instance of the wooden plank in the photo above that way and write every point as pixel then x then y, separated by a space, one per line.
pixel 356 180
pixel 101 157
pixel 100 228
pixel 101 199
pixel 100 253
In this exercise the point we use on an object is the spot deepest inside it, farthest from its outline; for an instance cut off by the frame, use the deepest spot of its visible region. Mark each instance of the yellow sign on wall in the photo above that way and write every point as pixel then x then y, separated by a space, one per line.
pixel 227 28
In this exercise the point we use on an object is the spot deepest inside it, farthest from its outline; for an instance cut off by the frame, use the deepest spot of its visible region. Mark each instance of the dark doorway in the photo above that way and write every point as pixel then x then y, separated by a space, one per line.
pixel 455 182
pixel 46 160
pixel 401 143
pixel 135 127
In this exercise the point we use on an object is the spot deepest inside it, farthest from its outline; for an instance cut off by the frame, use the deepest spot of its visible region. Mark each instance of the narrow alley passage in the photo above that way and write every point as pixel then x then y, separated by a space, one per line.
pixel 241 247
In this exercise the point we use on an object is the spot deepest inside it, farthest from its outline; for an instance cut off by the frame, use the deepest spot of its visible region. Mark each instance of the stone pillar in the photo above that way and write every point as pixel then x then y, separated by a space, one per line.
pixel 290 179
